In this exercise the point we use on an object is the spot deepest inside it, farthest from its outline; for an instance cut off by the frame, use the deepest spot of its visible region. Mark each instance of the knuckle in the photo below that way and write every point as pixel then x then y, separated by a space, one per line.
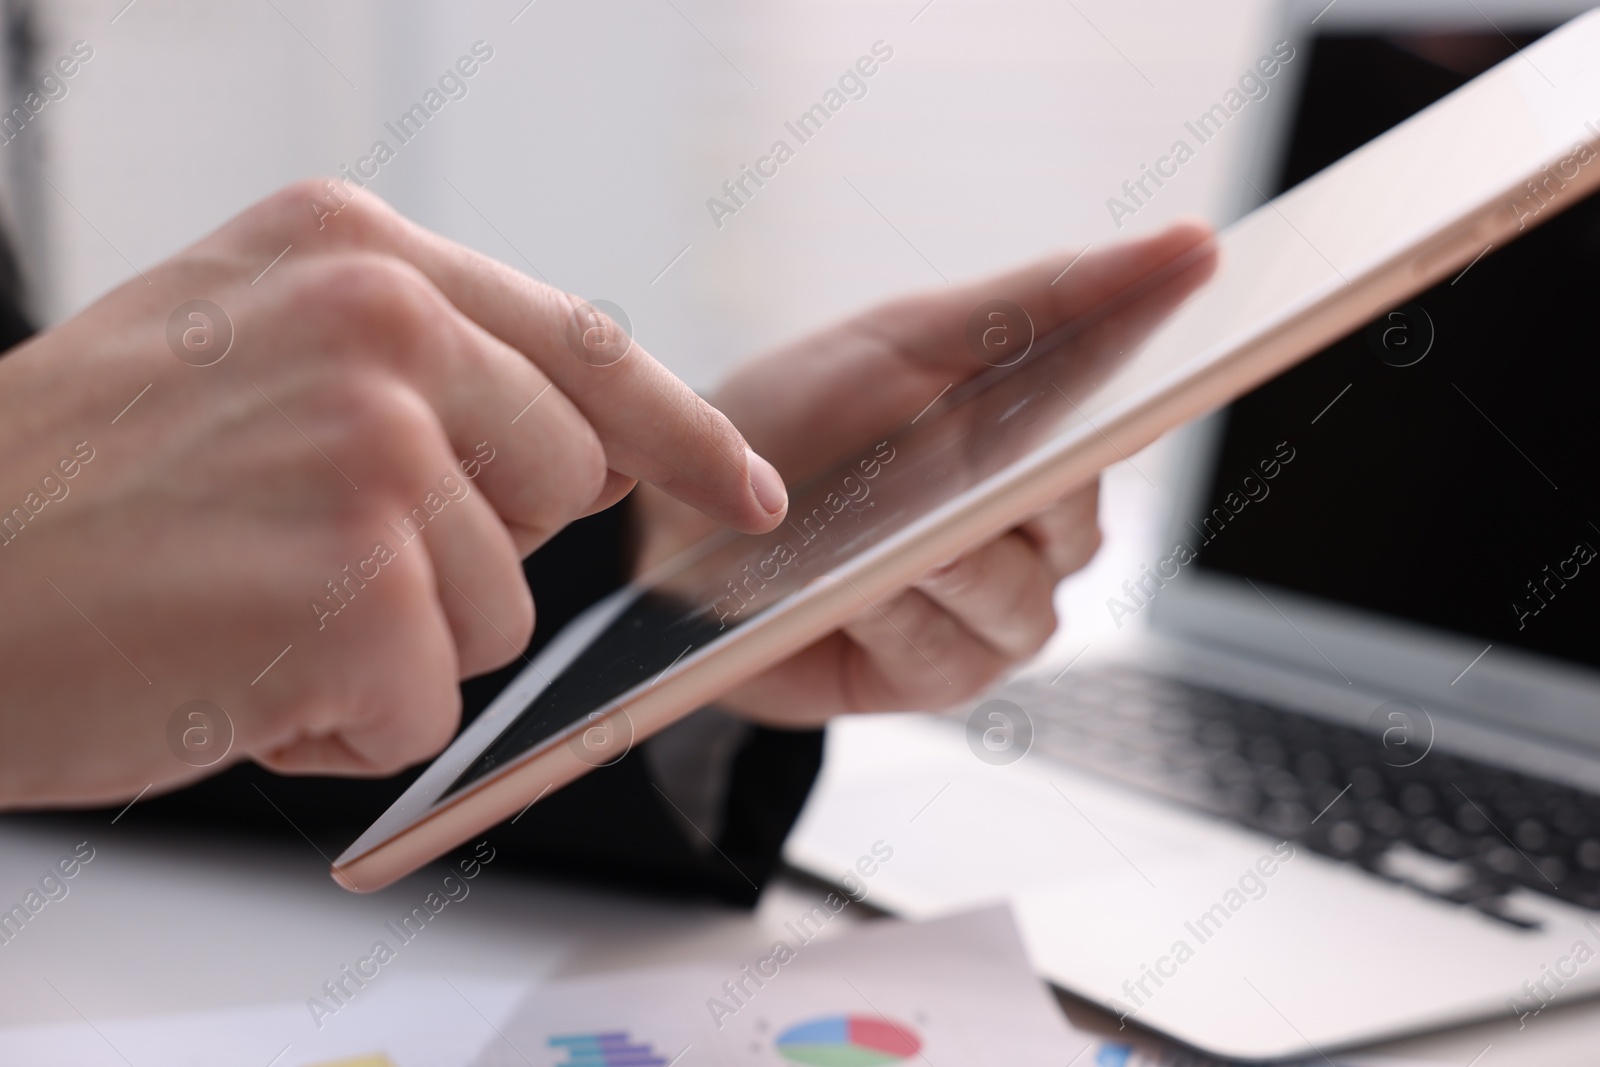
pixel 287 210
pixel 291 203
pixel 374 427
pixel 334 208
pixel 577 479
pixel 403 589
pixel 372 304
pixel 367 218
pixel 374 406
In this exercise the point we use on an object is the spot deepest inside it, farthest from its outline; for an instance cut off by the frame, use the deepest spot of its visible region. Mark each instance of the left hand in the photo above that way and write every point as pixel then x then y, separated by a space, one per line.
pixel 976 616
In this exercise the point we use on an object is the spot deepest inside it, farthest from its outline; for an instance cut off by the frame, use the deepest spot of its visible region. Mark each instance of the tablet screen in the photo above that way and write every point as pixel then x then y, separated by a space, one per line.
pixel 970 434
pixel 1380 213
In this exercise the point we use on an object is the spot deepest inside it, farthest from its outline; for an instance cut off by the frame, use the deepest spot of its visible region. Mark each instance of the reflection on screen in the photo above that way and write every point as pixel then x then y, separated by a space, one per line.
pixel 1462 490
pixel 733 579
pixel 1367 211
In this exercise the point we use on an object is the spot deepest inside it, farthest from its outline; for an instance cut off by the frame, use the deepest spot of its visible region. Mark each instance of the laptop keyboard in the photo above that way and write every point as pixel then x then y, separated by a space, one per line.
pixel 1454 828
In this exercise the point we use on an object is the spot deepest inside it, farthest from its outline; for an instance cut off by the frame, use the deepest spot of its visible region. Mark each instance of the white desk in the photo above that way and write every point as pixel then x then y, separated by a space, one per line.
pixel 162 922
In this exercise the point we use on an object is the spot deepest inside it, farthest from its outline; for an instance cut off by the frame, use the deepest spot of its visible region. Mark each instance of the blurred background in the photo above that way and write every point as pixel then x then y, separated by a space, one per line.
pixel 587 147
pixel 584 152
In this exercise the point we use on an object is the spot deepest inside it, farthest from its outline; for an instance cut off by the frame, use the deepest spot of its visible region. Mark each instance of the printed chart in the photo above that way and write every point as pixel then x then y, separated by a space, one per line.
pixel 848 1041
pixel 612 1049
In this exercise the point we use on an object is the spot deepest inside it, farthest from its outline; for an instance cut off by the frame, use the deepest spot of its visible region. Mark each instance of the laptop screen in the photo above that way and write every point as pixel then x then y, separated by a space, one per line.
pixel 1443 464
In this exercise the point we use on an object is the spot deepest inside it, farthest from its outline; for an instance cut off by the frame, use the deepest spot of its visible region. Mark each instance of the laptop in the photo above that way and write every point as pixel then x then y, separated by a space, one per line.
pixel 1342 782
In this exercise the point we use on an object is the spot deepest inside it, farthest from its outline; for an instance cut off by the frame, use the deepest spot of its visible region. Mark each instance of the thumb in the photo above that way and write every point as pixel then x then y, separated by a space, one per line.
pixel 976 326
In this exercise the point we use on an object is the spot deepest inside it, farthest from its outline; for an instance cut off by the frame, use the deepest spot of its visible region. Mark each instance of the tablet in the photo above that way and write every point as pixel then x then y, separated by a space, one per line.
pixel 1504 153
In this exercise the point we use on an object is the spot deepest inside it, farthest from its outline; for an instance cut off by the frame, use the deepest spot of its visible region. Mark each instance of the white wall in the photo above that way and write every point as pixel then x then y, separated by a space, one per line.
pixel 593 138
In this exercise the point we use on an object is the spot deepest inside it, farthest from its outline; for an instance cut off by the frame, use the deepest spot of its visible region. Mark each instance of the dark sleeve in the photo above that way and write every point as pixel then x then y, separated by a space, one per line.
pixel 612 825
pixel 14 325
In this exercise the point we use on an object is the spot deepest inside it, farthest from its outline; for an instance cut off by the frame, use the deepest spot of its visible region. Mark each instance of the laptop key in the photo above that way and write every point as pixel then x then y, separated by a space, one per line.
pixel 1327 786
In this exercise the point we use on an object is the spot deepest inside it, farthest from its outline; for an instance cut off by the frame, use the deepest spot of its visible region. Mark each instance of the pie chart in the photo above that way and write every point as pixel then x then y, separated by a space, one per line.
pixel 848 1041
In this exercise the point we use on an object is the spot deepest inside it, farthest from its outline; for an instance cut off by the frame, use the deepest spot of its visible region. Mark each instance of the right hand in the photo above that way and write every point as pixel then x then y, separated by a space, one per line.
pixel 372 369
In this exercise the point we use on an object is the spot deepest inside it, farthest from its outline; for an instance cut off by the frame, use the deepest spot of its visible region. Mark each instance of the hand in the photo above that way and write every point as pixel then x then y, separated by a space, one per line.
pixel 387 424
pixel 978 615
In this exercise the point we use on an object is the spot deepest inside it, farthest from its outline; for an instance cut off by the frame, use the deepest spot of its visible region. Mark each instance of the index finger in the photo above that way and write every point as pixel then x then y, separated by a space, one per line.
pixel 652 426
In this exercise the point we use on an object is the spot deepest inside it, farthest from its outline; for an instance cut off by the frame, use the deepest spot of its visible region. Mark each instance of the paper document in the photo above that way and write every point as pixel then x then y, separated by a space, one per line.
pixel 952 991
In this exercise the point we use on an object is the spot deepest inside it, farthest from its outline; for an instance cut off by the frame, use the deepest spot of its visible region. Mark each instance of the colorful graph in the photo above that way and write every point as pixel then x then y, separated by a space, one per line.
pixel 848 1041
pixel 1111 1055
pixel 614 1049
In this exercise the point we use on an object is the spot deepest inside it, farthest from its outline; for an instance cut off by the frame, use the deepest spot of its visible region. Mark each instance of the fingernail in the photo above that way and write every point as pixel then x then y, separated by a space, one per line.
pixel 766 483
